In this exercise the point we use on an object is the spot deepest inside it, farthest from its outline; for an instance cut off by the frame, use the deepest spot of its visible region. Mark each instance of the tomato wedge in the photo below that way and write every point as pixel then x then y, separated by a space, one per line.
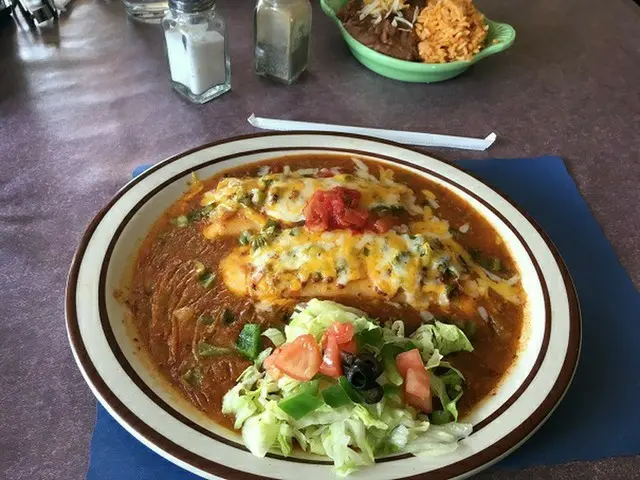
pixel 269 366
pixel 351 346
pixel 299 359
pixel 330 365
pixel 417 389
pixel 407 360
pixel 342 332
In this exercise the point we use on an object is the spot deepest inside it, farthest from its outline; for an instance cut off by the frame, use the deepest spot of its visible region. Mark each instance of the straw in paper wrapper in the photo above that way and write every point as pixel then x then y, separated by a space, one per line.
pixel 407 138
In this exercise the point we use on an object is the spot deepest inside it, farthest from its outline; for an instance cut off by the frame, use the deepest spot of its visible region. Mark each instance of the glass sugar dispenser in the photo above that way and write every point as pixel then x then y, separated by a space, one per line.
pixel 281 35
pixel 196 45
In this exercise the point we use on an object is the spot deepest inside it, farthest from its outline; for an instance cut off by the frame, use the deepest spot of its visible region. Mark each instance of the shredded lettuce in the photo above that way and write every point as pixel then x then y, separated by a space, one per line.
pixel 285 437
pixel 244 408
pixel 260 432
pixel 314 435
pixel 402 427
pixel 240 399
pixel 275 335
pixel 439 439
pixel 336 441
pixel 448 388
pixel 397 328
pixel 287 384
pixel 367 418
pixel 435 360
pixel 398 438
pixel 351 435
pixel 393 332
pixel 324 415
pixel 262 357
pixel 319 315
pixel 444 337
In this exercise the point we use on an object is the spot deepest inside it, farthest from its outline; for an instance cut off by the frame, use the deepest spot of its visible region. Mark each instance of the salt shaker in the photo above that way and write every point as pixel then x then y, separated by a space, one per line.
pixel 196 45
pixel 281 36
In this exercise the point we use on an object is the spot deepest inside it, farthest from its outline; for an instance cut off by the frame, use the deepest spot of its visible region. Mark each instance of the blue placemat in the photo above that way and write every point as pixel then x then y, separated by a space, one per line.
pixel 598 417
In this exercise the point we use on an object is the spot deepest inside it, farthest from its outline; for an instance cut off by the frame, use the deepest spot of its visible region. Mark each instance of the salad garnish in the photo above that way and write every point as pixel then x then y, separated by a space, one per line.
pixel 341 385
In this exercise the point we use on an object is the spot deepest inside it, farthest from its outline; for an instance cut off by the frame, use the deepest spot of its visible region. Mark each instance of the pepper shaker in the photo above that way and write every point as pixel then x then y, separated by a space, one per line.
pixel 281 37
pixel 196 46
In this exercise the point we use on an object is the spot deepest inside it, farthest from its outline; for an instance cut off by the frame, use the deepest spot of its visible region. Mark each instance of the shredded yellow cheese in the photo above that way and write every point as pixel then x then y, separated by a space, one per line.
pixel 419 264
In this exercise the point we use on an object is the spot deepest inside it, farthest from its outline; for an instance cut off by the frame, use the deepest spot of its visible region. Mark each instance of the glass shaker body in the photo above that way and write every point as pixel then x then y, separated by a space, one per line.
pixel 147 11
pixel 281 38
pixel 197 51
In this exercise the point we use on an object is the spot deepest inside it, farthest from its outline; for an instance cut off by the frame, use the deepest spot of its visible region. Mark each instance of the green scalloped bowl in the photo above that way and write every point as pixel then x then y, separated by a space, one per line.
pixel 415 71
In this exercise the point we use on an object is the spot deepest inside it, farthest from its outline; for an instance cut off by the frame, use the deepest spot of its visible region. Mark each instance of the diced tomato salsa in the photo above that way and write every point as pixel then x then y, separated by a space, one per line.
pixel 339 208
pixel 335 209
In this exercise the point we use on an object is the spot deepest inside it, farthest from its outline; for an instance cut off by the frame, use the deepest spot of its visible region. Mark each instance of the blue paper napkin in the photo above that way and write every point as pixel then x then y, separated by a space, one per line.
pixel 598 417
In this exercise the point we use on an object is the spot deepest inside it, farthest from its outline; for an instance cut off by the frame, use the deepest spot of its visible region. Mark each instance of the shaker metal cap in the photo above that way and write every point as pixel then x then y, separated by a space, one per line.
pixel 191 6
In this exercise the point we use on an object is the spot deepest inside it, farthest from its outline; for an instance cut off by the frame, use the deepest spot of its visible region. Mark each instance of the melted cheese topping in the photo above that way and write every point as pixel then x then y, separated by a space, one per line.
pixel 283 196
pixel 390 262
pixel 418 263
pixel 433 227
pixel 391 265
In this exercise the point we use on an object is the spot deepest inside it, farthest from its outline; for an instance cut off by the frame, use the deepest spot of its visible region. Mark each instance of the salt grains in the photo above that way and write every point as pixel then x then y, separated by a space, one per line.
pixel 195 39
pixel 196 61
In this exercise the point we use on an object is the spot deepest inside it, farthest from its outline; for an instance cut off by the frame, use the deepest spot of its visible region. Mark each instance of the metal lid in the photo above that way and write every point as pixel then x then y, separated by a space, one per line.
pixel 191 6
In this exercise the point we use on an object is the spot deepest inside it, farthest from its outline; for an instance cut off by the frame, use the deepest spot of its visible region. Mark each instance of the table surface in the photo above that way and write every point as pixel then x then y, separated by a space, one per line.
pixel 88 100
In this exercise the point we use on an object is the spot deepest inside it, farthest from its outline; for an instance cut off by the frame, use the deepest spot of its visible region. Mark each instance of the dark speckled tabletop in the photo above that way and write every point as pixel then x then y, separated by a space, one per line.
pixel 86 102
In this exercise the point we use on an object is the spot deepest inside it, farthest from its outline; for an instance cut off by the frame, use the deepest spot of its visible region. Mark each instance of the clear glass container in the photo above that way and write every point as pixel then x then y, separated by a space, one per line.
pixel 197 51
pixel 148 11
pixel 281 37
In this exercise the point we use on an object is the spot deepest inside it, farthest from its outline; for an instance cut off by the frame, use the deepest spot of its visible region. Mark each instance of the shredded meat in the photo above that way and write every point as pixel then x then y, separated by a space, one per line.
pixel 383 37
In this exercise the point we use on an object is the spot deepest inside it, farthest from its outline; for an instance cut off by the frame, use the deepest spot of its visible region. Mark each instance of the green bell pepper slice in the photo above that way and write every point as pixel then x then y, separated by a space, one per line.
pixel 299 405
pixel 248 342
pixel 351 392
pixel 335 396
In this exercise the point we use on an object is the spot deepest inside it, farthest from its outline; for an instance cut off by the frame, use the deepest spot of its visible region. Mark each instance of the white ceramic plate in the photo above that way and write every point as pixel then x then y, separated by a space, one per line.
pixel 149 409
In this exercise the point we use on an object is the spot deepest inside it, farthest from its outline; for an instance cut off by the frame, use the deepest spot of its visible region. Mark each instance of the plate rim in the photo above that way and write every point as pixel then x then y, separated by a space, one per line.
pixel 478 460
pixel 126 366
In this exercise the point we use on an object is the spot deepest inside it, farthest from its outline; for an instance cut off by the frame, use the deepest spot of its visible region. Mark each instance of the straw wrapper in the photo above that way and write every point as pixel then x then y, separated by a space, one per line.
pixel 407 138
